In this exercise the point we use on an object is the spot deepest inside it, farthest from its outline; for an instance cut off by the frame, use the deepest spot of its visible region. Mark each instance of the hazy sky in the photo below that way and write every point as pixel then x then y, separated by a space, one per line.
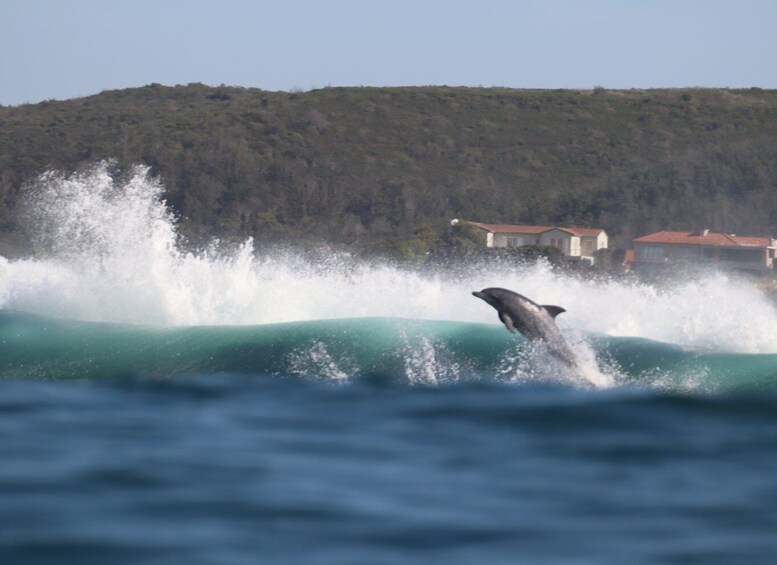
pixel 57 49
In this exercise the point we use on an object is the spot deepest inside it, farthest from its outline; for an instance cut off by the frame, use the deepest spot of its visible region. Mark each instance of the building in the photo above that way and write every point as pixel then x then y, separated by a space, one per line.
pixel 577 244
pixel 704 247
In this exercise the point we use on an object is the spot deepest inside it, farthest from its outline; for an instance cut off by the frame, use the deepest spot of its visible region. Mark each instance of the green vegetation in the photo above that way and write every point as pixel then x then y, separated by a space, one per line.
pixel 387 168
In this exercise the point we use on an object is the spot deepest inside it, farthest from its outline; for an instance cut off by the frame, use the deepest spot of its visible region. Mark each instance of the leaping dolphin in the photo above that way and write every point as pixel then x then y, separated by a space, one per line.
pixel 535 321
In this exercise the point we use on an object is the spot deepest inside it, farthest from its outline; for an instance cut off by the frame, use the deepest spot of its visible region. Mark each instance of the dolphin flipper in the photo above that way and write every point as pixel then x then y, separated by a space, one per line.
pixel 507 321
pixel 535 321
pixel 553 310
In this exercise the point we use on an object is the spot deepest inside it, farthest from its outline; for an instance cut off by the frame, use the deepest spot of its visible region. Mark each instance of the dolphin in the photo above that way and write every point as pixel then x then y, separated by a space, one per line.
pixel 535 321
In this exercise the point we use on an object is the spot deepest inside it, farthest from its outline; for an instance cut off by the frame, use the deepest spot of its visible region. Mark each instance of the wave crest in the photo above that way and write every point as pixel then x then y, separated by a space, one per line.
pixel 111 253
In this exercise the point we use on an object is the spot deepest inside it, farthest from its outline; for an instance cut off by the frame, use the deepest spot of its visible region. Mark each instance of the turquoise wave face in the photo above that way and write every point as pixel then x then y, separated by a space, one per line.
pixel 113 255
pixel 34 346
pixel 412 351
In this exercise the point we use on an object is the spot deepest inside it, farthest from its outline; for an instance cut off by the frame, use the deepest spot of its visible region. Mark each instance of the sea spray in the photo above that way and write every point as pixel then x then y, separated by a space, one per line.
pixel 111 254
pixel 314 359
pixel 430 363
pixel 529 361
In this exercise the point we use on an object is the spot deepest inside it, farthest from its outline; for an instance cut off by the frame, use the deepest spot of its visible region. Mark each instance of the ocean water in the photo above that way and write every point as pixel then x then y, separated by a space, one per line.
pixel 228 406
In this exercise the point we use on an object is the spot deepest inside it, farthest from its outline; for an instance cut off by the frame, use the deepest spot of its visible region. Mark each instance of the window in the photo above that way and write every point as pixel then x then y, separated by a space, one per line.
pixel 558 243
pixel 588 246
pixel 652 252
pixel 685 253
pixel 513 242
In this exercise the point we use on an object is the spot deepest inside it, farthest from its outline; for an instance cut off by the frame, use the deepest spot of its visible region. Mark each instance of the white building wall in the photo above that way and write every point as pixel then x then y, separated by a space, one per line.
pixel 560 239
pixel 574 246
pixel 571 245
pixel 589 246
pixel 503 239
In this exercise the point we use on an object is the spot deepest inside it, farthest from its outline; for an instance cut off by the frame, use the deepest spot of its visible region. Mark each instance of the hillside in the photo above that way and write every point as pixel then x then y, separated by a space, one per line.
pixel 356 164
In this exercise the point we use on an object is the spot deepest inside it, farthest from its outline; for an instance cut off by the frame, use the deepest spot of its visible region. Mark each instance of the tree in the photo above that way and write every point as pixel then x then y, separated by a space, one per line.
pixel 536 252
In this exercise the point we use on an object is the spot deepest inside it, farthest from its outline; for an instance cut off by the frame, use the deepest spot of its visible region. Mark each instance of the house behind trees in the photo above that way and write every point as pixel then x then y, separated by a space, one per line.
pixel 667 249
pixel 577 244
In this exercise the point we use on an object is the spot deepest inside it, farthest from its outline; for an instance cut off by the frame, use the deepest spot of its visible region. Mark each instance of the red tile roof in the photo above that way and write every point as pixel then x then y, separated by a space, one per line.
pixel 700 238
pixel 508 228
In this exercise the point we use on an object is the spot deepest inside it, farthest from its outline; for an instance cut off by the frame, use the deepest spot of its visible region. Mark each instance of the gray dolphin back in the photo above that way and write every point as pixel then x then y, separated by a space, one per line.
pixel 533 320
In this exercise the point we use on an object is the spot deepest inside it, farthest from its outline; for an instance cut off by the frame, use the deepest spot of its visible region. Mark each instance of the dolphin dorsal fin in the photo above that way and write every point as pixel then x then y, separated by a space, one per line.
pixel 553 310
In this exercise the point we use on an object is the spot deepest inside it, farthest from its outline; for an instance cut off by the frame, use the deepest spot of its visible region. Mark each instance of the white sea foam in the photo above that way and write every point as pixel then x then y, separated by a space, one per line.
pixel 429 363
pixel 112 255
pixel 315 359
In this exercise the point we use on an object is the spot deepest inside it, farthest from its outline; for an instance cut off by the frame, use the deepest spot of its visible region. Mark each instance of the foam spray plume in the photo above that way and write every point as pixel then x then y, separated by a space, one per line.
pixel 113 255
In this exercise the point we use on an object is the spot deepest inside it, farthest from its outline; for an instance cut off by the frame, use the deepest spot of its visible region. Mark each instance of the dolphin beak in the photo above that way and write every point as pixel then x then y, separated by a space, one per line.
pixel 477 293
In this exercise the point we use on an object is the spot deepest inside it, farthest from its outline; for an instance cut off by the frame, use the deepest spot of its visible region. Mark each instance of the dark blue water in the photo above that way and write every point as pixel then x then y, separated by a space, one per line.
pixel 265 469
pixel 376 441
pixel 359 431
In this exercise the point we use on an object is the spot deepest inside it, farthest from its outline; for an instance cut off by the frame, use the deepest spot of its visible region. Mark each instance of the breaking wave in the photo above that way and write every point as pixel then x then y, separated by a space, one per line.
pixel 110 254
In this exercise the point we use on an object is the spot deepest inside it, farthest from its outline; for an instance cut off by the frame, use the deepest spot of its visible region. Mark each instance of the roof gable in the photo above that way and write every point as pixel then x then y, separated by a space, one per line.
pixel 536 230
pixel 703 238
